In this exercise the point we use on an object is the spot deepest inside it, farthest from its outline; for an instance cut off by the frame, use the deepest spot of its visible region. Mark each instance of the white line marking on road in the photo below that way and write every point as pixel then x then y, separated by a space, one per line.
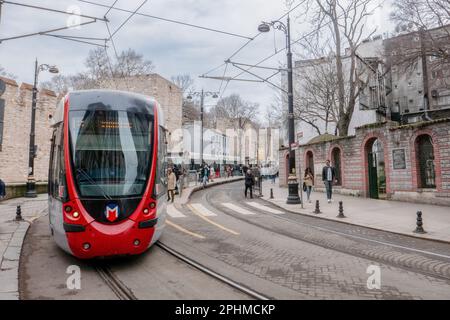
pixel 238 209
pixel 196 235
pixel 264 208
pixel 203 210
pixel 173 212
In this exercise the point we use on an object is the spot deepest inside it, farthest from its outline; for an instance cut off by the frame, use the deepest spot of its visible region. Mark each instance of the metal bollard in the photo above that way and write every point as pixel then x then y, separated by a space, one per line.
pixel 19 214
pixel 317 211
pixel 419 228
pixel 341 210
pixel 271 193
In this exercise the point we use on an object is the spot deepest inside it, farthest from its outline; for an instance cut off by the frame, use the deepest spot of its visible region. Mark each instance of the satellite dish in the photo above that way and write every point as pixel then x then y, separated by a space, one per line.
pixel 2 87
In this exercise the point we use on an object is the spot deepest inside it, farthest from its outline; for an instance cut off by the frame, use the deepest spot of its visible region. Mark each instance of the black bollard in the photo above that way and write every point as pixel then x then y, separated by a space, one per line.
pixel 271 193
pixel 341 210
pixel 419 228
pixel 317 211
pixel 19 214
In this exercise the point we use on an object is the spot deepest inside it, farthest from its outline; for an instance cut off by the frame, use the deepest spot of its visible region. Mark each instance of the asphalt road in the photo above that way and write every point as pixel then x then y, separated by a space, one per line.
pixel 278 254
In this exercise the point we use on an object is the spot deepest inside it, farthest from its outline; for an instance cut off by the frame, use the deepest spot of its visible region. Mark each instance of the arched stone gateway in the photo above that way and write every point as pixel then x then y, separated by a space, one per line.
pixel 425 161
pixel 376 168
pixel 336 160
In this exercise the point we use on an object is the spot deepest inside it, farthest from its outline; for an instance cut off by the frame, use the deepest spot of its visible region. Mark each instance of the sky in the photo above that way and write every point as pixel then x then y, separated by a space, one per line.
pixel 174 49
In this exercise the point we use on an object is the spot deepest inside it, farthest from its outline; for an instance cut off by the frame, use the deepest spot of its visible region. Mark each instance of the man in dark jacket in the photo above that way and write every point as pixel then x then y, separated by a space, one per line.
pixel 328 177
pixel 2 189
pixel 249 182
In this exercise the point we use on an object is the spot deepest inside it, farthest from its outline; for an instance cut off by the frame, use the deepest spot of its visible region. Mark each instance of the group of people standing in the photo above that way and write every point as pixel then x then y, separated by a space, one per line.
pixel 328 178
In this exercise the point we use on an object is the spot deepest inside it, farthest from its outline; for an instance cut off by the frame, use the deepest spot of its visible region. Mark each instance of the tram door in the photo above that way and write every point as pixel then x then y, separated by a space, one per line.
pixel 373 175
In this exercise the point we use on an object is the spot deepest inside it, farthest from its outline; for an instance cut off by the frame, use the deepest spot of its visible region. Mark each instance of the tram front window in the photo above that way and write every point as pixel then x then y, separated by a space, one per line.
pixel 111 152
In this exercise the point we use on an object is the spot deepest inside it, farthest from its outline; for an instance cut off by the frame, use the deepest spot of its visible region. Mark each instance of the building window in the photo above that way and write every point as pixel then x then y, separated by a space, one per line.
pixel 425 162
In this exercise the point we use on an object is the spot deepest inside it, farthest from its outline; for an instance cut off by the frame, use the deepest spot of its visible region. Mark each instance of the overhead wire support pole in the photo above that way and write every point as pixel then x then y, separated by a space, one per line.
pixel 50 10
pixel 254 66
pixel 44 32
pixel 75 40
pixel 229 79
pixel 261 78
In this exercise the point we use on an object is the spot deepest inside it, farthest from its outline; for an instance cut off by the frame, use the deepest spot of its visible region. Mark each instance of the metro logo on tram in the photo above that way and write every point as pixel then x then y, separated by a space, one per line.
pixel 112 212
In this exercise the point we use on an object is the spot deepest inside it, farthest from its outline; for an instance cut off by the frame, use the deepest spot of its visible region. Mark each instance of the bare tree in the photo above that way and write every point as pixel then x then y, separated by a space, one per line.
pixel 184 82
pixel 5 73
pixel 430 21
pixel 343 23
pixel 316 98
pixel 99 69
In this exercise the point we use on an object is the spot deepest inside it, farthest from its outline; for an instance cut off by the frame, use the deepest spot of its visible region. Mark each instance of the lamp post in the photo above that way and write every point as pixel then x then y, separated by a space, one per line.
pixel 293 197
pixel 202 94
pixel 31 182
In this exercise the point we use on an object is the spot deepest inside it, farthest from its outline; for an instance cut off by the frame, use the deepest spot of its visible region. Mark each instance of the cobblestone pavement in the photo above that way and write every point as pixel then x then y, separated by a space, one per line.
pixel 12 234
pixel 285 257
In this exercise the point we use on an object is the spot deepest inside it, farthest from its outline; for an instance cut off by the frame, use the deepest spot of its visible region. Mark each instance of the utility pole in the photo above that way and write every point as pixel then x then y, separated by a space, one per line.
pixel 202 94
pixel 293 197
pixel 31 182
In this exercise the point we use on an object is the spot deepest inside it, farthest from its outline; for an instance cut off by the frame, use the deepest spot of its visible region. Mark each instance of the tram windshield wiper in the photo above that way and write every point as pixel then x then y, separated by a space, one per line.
pixel 92 182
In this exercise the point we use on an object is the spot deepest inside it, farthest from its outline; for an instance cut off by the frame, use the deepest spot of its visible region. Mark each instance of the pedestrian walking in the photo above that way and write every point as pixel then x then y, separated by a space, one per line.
pixel 2 190
pixel 328 177
pixel 171 184
pixel 308 183
pixel 205 175
pixel 249 183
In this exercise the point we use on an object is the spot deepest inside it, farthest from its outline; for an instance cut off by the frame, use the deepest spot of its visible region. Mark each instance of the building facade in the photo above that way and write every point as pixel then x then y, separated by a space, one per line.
pixel 384 161
pixel 15 120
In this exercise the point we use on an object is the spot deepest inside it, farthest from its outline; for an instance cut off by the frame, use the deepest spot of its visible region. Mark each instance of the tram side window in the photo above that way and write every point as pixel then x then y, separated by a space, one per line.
pixel 50 167
pixel 57 174
pixel 161 178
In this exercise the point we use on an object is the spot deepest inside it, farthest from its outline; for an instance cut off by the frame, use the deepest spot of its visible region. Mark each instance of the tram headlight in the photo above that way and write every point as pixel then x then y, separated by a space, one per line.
pixel 86 246
pixel 152 205
pixel 146 211
pixel 76 214
pixel 68 209
pixel 137 242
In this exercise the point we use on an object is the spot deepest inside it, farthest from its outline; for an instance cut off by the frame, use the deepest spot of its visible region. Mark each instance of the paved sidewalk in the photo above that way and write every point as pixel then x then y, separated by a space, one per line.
pixel 392 216
pixel 187 192
pixel 12 234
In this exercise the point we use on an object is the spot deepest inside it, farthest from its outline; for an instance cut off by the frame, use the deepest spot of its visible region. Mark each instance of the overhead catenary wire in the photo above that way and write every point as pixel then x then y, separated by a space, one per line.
pixel 168 20
pixel 129 18
pixel 235 53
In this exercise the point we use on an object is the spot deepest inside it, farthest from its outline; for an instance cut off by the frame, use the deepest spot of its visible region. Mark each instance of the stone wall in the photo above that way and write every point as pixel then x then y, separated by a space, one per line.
pixel 401 183
pixel 16 133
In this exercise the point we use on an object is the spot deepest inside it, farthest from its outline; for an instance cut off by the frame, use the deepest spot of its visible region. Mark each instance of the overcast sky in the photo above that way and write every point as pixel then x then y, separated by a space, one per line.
pixel 174 49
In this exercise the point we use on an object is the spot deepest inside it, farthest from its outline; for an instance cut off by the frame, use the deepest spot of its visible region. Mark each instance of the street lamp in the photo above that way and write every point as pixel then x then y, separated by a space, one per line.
pixel 293 197
pixel 202 94
pixel 31 182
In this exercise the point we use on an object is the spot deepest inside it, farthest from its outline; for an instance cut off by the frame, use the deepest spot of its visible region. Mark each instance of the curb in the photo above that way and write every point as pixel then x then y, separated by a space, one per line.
pixel 9 268
pixel 212 184
pixel 357 225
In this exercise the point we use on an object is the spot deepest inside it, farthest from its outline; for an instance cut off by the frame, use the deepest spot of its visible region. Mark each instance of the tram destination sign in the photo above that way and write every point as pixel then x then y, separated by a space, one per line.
pixel 399 158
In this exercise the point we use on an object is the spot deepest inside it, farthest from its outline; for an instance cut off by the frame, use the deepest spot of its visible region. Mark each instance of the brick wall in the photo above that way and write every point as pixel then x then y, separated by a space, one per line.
pixel 401 184
pixel 17 121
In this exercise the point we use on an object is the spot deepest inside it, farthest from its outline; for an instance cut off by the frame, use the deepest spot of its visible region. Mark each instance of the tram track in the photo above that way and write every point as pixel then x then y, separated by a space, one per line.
pixel 423 265
pixel 118 287
pixel 211 273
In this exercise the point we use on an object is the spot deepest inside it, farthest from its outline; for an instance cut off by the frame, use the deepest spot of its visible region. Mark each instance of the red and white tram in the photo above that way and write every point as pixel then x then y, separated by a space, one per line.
pixel 107 181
